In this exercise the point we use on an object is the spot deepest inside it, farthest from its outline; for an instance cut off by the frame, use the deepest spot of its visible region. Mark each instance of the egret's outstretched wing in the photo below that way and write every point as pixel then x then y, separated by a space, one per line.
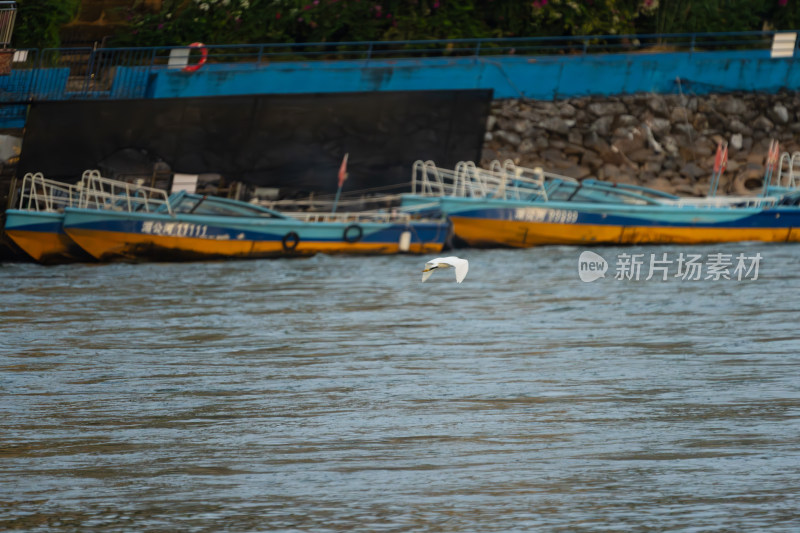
pixel 462 267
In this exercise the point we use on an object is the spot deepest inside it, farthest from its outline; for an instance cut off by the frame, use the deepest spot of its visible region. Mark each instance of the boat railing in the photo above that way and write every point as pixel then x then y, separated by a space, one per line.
pixel 526 181
pixel 500 168
pixel 41 194
pixel 465 180
pixel 395 216
pixel 99 192
pixel 725 201
pixel 502 180
pixel 791 164
pixel 429 180
pixel 474 182
pixel 628 193
pixel 322 204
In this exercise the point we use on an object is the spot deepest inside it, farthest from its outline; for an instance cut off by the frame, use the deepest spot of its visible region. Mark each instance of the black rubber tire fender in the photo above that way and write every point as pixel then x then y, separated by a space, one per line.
pixel 290 241
pixel 353 233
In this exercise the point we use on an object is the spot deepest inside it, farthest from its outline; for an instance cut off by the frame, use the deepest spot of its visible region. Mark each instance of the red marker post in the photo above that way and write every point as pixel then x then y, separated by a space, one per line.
pixel 342 178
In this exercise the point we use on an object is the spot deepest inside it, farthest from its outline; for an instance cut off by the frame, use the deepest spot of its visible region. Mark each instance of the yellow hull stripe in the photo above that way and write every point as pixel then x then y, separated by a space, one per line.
pixel 42 246
pixel 110 244
pixel 328 247
pixel 487 232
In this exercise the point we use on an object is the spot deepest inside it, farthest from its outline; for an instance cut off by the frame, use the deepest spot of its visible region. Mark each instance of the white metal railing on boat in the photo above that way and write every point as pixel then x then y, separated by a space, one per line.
pixel 429 180
pixel 322 203
pixel 41 194
pixel 724 201
pixel 790 162
pixel 503 180
pixel 526 182
pixel 98 192
pixel 476 182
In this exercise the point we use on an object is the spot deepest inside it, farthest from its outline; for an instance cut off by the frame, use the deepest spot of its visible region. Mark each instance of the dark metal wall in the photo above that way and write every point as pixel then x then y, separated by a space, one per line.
pixel 294 141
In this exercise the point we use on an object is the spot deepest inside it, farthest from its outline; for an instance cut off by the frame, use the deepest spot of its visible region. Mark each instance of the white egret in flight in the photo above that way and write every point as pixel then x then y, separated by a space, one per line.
pixel 461 266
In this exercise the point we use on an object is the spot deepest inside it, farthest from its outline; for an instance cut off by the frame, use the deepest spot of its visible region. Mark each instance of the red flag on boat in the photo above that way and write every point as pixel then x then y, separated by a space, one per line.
pixel 343 170
pixel 724 164
pixel 718 158
pixel 773 155
pixel 776 155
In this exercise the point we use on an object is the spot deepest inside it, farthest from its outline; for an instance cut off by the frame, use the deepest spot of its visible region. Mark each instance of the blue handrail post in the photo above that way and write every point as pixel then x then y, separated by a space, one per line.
pixel 691 50
pixel 369 52
pixel 260 53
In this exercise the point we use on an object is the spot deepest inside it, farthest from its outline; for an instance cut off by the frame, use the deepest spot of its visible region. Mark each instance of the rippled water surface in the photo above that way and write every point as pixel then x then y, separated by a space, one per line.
pixel 340 393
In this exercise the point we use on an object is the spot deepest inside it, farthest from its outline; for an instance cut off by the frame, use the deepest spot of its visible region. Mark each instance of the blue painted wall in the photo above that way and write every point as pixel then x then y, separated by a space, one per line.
pixel 538 77
pixel 544 78
pixel 19 86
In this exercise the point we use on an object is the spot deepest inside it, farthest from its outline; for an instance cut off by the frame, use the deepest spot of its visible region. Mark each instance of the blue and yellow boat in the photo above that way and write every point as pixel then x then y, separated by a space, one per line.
pixel 186 226
pixel 506 223
pixel 513 207
pixel 35 225
pixel 103 219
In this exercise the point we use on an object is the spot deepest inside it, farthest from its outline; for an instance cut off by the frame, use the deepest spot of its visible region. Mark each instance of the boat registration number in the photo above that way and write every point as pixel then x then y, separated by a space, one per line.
pixel 175 229
pixel 539 214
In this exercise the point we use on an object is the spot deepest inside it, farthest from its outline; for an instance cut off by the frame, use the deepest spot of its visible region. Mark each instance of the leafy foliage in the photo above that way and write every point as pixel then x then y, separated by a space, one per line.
pixel 299 21
pixel 39 22
pixel 686 16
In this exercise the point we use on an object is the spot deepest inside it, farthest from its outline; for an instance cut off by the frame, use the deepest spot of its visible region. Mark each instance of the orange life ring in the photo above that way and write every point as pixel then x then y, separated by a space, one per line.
pixel 203 57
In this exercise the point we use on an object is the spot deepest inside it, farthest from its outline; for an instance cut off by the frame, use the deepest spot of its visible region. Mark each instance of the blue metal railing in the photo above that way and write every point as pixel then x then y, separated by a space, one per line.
pixel 87 73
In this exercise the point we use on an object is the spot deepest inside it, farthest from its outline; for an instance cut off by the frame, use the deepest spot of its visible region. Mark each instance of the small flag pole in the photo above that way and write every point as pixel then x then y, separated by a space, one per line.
pixel 772 165
pixel 342 177
pixel 712 187
pixel 720 164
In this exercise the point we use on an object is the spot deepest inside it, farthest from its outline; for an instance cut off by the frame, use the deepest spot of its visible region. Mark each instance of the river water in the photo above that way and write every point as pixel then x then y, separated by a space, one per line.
pixel 341 393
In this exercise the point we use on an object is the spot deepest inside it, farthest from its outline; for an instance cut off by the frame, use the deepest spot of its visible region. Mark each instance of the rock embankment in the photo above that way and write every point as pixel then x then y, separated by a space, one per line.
pixel 667 142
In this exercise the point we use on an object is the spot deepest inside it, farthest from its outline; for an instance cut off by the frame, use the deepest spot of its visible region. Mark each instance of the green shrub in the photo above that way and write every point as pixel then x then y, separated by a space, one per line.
pixel 39 22
pixel 300 21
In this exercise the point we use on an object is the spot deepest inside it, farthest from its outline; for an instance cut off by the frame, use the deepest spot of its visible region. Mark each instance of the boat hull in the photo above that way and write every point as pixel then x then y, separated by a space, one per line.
pixel 486 225
pixel 41 236
pixel 130 236
pixel 489 233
